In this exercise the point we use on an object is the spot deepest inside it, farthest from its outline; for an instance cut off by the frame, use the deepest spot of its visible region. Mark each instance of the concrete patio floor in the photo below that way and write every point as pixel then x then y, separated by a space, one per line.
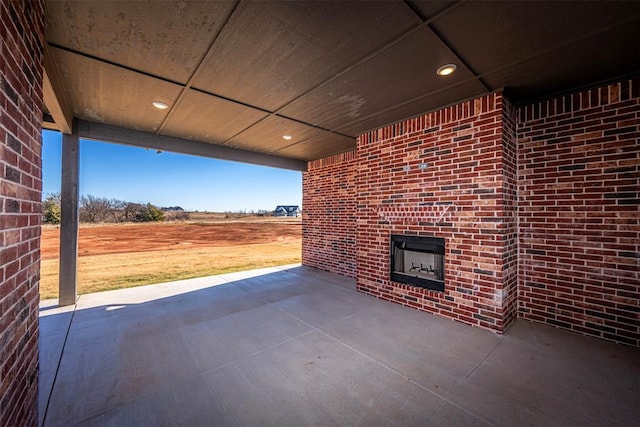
pixel 297 346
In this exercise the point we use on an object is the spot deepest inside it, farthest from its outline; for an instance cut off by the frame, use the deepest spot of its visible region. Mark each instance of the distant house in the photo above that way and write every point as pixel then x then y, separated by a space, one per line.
pixel 287 210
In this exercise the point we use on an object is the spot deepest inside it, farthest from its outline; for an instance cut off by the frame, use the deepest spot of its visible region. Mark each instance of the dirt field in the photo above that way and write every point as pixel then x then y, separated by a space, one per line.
pixel 120 255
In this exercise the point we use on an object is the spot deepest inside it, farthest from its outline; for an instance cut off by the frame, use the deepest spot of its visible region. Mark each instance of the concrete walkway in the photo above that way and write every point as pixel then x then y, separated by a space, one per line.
pixel 297 346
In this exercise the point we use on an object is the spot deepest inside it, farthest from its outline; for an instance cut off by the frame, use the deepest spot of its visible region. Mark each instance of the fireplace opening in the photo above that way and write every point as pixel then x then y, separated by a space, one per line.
pixel 418 261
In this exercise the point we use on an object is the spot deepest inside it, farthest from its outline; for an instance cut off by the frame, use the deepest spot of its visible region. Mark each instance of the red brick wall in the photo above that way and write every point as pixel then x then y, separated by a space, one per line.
pixel 21 35
pixel 539 206
pixel 329 205
pixel 579 159
pixel 461 195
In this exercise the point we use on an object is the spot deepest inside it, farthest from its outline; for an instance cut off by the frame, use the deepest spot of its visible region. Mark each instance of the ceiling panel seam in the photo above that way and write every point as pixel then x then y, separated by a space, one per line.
pixel 457 54
pixel 115 64
pixel 290 145
pixel 361 61
pixel 443 12
pixel 298 142
pixel 197 70
pixel 270 114
pixel 427 26
pixel 235 101
pixel 302 122
pixel 291 119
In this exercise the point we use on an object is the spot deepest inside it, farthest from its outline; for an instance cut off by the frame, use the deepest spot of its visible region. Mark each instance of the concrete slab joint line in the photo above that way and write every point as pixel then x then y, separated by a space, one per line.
pixel 57 367
pixel 390 369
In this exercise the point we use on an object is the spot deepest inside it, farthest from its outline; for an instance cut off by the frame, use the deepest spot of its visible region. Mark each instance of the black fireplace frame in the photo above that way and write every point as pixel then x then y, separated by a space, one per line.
pixel 426 244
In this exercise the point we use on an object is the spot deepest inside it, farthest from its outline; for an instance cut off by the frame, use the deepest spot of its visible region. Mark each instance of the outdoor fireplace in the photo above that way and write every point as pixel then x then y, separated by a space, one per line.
pixel 418 261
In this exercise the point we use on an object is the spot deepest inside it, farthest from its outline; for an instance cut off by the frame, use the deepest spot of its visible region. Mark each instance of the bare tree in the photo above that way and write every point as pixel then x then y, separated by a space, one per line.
pixel 100 209
pixel 94 209
pixel 118 210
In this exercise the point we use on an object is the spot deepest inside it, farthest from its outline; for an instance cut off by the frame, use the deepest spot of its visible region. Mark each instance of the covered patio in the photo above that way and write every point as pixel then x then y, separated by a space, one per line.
pixel 298 346
pixel 506 131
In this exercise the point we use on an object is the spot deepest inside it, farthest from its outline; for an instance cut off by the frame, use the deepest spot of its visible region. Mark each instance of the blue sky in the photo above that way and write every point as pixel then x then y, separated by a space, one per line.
pixel 167 179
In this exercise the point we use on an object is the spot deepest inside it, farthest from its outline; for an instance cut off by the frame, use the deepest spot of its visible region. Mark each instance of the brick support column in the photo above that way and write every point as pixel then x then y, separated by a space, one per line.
pixel 21 41
pixel 448 174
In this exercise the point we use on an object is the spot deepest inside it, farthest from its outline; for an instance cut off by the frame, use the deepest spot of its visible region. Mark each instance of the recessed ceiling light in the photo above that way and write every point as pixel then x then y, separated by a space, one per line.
pixel 447 69
pixel 287 137
pixel 160 105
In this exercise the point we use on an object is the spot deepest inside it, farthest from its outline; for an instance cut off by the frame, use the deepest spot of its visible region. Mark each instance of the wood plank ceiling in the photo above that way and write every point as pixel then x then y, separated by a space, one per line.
pixel 242 74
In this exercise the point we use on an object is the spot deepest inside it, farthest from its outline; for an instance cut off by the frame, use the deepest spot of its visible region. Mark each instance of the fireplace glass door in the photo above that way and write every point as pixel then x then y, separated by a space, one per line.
pixel 418 261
